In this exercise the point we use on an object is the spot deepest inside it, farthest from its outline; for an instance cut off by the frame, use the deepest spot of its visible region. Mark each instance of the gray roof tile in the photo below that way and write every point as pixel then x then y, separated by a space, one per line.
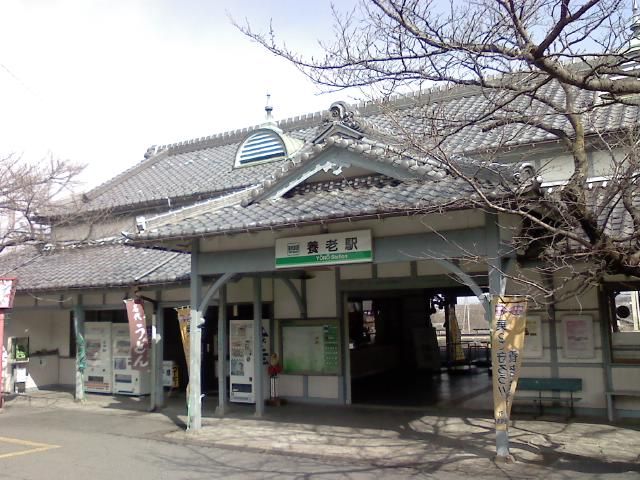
pixel 97 266
pixel 201 168
pixel 323 201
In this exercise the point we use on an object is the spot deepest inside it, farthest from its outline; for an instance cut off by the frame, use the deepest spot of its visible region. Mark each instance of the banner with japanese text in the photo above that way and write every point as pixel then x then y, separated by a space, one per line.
pixel 138 335
pixel 507 343
pixel 7 295
pixel 184 319
pixel 456 353
pixel 2 355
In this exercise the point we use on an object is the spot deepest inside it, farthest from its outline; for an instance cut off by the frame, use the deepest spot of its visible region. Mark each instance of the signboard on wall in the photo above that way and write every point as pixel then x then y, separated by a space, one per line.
pixel 578 336
pixel 310 349
pixel 324 249
pixel 533 337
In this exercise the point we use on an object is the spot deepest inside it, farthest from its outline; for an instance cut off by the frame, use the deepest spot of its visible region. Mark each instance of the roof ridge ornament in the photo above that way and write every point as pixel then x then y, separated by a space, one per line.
pixel 340 112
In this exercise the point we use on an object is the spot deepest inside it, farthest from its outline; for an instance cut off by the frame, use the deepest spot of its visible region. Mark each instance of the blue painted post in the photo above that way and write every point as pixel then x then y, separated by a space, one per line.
pixel 223 348
pixel 497 286
pixel 257 339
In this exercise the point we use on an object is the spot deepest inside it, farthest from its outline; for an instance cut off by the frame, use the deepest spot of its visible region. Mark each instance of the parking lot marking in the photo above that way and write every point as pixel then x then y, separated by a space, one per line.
pixel 35 447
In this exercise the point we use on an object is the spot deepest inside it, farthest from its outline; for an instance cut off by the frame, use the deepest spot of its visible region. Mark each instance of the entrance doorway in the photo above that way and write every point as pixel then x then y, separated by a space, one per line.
pixel 417 348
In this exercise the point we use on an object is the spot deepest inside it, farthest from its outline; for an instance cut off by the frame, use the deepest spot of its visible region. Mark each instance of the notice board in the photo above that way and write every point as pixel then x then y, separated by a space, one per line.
pixel 310 349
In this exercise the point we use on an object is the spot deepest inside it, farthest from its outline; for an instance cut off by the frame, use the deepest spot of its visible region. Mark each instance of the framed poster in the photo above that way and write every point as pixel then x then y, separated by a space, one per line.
pixel 311 349
pixel 533 337
pixel 578 336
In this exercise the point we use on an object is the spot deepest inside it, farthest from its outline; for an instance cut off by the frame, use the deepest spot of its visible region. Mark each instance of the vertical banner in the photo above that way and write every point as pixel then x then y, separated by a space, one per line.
pixel 7 294
pixel 456 353
pixel 507 342
pixel 2 357
pixel 184 319
pixel 138 335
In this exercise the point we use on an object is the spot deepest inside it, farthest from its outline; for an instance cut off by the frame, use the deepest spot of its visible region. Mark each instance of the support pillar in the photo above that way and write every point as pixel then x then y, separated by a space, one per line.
pixel 159 346
pixel 223 349
pixel 154 363
pixel 257 339
pixel 497 286
pixel 194 413
pixel 156 393
pixel 81 356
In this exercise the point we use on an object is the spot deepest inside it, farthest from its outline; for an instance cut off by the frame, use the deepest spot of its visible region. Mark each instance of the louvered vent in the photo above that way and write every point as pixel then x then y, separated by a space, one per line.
pixel 261 146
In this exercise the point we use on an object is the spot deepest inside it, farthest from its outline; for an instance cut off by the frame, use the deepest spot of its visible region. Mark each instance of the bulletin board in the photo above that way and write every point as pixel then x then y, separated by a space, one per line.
pixel 578 336
pixel 311 349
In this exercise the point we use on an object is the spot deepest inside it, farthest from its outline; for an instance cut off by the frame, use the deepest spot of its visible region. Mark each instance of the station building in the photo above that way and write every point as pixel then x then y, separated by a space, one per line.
pixel 348 248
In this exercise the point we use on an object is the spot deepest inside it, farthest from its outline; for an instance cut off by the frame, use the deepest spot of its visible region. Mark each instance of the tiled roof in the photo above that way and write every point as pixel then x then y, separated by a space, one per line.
pixel 98 266
pixel 191 170
pixel 351 198
pixel 203 167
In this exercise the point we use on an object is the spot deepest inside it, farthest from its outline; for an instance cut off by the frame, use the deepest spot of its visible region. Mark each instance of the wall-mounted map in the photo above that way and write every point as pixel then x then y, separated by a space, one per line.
pixel 311 349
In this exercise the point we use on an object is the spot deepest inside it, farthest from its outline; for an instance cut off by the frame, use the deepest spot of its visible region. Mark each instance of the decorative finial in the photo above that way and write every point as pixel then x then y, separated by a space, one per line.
pixel 268 108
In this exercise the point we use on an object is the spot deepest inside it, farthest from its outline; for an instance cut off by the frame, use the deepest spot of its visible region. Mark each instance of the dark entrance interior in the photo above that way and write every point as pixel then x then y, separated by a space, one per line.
pixel 417 348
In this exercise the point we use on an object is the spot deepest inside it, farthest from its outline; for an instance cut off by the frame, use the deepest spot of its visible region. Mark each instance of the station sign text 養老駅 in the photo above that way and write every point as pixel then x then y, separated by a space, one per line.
pixel 324 249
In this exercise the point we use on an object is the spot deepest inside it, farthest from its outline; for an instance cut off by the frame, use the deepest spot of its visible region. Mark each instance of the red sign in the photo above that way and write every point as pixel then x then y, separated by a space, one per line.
pixel 138 335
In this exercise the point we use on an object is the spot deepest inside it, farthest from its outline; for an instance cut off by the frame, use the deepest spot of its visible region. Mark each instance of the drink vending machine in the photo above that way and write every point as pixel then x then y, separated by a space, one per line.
pixel 241 352
pixel 98 372
pixel 126 381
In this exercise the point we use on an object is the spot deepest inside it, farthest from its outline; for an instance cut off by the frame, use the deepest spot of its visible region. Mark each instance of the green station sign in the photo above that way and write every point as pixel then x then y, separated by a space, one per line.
pixel 324 249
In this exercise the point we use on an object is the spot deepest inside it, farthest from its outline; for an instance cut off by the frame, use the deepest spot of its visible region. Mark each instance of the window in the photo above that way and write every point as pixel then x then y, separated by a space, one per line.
pixel 624 315
pixel 263 146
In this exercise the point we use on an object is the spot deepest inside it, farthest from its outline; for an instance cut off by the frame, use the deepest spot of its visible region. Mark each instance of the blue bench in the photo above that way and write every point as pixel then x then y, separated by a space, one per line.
pixel 549 391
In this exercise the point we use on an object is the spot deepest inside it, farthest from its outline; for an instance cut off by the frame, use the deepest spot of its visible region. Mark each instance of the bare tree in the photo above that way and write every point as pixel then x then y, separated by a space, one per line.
pixel 27 190
pixel 543 68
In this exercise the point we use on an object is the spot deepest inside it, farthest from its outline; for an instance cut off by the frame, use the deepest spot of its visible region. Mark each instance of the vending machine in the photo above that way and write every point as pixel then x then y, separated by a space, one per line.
pixel 241 352
pixel 98 373
pixel 126 381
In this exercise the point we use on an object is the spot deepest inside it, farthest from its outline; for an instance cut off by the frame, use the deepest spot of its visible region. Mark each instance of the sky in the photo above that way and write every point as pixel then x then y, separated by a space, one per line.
pixel 99 81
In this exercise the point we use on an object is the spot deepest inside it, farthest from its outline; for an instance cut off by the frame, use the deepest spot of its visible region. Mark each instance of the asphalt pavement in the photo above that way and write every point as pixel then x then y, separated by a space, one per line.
pixel 299 441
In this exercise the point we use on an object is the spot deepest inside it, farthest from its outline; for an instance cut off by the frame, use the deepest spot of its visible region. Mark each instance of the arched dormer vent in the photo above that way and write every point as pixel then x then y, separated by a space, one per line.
pixel 265 145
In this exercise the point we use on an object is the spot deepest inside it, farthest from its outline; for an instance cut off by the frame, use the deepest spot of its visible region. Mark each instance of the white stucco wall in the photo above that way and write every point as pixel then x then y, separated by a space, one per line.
pixel 321 294
pixel 48 330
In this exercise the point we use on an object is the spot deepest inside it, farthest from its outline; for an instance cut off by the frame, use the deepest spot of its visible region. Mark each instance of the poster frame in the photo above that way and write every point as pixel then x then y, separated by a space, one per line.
pixel 310 322
pixel 537 351
pixel 587 349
